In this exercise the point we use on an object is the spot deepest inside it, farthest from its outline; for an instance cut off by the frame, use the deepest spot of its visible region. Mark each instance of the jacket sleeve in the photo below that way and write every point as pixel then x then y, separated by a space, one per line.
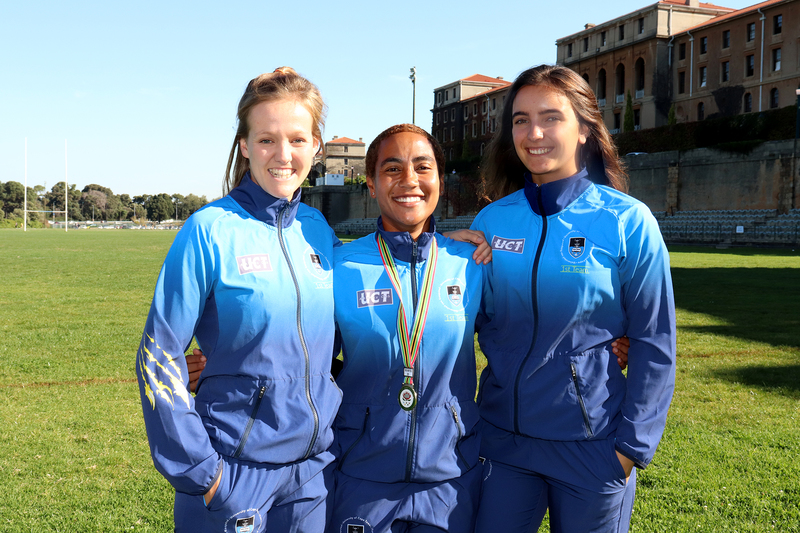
pixel 650 308
pixel 179 444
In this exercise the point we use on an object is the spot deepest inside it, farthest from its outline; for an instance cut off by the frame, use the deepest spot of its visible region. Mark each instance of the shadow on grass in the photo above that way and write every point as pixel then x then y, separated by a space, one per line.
pixel 783 379
pixel 757 304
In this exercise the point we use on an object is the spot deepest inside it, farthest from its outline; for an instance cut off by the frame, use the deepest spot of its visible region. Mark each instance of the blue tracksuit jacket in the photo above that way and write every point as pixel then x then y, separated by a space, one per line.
pixel 576 265
pixel 375 439
pixel 251 277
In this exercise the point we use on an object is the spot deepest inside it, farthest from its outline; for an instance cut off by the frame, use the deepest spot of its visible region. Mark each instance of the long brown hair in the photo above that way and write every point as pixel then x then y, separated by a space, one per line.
pixel 502 170
pixel 282 84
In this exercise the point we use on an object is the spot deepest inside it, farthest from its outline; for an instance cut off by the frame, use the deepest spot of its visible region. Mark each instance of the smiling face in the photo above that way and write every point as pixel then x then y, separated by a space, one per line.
pixel 547 134
pixel 280 146
pixel 406 183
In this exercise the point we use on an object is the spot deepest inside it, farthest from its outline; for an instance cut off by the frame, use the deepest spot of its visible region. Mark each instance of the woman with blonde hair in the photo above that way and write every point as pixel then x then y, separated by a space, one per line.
pixel 576 264
pixel 250 277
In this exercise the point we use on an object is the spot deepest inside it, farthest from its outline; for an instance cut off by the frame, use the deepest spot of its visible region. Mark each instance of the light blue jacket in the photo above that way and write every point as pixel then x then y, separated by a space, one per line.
pixel 251 277
pixel 576 265
pixel 375 439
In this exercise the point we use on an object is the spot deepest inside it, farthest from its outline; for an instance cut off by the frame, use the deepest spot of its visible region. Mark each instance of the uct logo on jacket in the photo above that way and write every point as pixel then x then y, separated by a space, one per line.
pixel 374 297
pixel 575 247
pixel 253 263
pixel 501 244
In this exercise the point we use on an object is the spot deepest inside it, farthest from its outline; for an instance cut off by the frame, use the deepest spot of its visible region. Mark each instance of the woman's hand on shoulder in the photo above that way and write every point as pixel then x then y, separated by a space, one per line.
pixel 483 251
pixel 620 349
pixel 196 362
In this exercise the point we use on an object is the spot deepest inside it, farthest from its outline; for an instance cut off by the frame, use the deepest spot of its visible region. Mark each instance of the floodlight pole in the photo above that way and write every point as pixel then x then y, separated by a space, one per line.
pixel 25 206
pixel 794 149
pixel 413 78
pixel 66 191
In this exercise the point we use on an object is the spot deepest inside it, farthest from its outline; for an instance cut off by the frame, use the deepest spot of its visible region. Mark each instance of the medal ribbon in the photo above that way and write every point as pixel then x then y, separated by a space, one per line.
pixel 410 341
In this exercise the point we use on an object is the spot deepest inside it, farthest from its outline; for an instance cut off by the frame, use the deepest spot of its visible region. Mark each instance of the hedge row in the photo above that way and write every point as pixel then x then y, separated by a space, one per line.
pixel 736 133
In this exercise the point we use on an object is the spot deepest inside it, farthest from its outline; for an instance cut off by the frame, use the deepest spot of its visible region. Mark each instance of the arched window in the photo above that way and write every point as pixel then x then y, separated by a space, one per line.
pixel 638 71
pixel 601 84
pixel 774 98
pixel 619 89
pixel 701 111
pixel 585 78
pixel 748 103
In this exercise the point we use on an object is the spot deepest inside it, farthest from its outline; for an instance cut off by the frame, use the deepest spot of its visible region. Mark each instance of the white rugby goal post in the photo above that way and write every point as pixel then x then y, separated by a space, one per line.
pixel 25 210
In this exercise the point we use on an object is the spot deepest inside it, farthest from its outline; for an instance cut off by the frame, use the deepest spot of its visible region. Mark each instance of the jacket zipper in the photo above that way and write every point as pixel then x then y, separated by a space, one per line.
pixel 589 431
pixel 249 426
pixel 460 436
pixel 300 334
pixel 413 434
pixel 535 313
pixel 363 432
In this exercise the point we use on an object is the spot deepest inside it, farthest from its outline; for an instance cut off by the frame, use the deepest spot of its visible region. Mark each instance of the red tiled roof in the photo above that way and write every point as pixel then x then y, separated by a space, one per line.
pixel 343 140
pixel 702 5
pixel 485 79
pixel 734 14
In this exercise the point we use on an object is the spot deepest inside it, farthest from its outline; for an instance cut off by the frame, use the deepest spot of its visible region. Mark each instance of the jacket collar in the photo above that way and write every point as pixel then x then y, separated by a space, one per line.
pixel 555 196
pixel 263 205
pixel 401 244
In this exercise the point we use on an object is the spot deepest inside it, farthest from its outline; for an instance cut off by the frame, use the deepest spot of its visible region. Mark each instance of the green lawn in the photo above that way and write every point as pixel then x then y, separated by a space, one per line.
pixel 74 456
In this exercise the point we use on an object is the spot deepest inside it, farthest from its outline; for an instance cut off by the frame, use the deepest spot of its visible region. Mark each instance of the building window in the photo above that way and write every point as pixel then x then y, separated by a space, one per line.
pixel 483 107
pixel 345 161
pixel 773 99
pixel 437 118
pixel 703 45
pixel 494 125
pixel 465 131
pixel 494 104
pixel 748 102
pixel 483 127
pixel 439 98
pixel 475 109
pixel 726 39
pixel 681 82
pixel 636 119
pixel 444 134
pixel 453 114
pixel 777 24
pixel 451 154
pixel 726 71
pixel 776 59
pixel 452 133
pixel 701 111
pixel 601 84
pixel 446 114
pixel 438 139
pixel 585 44
pixel 454 95
pixel 482 146
pixel 641 26
pixel 466 111
pixel 682 51
pixel 569 50
pixel 751 31
pixel 749 65
pixel 617 122
pixel 602 38
pixel 622 32
pixel 474 129
pixel 701 77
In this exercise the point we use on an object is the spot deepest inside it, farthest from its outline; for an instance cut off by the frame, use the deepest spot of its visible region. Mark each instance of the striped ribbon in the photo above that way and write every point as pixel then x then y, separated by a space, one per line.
pixel 409 342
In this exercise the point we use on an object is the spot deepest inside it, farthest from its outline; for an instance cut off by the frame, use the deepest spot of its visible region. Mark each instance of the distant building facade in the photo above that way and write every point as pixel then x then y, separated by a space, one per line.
pixel 345 156
pixel 465 114
pixel 704 59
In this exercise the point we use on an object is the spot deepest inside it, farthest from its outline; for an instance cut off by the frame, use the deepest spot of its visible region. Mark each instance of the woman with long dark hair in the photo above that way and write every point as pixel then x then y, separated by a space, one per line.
pixel 576 264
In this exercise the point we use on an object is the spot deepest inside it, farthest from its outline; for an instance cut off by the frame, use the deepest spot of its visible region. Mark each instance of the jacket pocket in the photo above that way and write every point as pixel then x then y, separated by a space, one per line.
pixel 460 436
pixel 355 442
pixel 587 426
pixel 250 422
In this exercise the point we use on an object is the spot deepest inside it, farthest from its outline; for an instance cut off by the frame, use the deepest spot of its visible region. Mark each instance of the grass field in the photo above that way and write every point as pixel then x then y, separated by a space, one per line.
pixel 74 456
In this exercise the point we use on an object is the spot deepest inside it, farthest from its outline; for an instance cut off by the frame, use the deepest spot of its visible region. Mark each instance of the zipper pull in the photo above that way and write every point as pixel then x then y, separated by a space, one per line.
pixel 455 415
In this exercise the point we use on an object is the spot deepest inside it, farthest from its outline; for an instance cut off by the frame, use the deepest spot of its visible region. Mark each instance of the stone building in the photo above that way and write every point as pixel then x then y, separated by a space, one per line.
pixel 632 53
pixel 465 114
pixel 705 59
pixel 741 62
pixel 345 156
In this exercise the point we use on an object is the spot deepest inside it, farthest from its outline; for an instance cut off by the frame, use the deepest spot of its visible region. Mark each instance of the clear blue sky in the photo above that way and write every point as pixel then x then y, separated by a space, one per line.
pixel 146 92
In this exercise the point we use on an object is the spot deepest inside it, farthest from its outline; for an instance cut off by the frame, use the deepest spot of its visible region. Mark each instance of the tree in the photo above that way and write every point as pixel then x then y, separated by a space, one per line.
pixel 671 118
pixel 160 207
pixel 13 196
pixel 192 203
pixel 627 124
